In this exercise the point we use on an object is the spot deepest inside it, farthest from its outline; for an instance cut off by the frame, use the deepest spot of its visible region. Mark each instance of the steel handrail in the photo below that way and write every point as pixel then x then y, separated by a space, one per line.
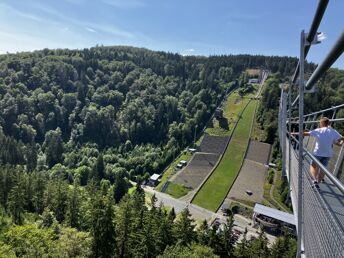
pixel 331 57
pixel 325 110
pixel 332 178
pixel 317 121
pixel 313 31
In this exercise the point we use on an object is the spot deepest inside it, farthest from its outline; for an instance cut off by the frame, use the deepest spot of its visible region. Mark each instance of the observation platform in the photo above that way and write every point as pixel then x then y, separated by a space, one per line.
pixel 322 212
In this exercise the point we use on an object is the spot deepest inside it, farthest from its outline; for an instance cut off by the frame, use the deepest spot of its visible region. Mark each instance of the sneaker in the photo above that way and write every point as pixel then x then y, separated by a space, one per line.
pixel 315 185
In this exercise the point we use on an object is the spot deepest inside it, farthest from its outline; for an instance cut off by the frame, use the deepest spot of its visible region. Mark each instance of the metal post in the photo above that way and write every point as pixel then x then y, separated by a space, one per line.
pixel 280 119
pixel 289 125
pixel 300 176
pixel 195 136
pixel 339 161
pixel 283 129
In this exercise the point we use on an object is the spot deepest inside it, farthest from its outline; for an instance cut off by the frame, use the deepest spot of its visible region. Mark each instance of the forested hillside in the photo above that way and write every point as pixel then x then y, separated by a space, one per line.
pixel 329 92
pixel 136 107
pixel 76 125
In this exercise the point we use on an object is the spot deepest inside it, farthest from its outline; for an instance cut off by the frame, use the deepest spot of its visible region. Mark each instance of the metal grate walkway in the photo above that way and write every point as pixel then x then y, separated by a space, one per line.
pixel 323 211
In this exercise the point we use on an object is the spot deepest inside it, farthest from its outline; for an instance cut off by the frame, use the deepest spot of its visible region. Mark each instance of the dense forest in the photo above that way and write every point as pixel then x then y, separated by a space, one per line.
pixel 77 126
pixel 329 92
pixel 63 109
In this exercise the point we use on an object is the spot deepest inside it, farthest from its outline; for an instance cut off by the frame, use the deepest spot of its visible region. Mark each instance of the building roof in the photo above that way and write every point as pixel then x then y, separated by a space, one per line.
pixel 154 177
pixel 225 206
pixel 273 213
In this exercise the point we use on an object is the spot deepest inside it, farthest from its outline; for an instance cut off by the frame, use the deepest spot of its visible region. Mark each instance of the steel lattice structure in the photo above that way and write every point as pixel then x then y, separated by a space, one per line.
pixel 319 213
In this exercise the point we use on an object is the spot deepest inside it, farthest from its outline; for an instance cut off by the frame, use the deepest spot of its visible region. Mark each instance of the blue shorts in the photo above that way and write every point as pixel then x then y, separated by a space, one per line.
pixel 323 160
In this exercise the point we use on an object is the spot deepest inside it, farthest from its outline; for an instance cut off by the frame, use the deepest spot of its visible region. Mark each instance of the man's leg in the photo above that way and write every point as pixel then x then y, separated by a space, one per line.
pixel 313 169
pixel 321 176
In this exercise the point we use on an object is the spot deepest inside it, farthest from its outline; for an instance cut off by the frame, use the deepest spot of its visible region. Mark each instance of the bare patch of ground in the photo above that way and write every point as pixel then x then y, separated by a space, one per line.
pixel 258 152
pixel 252 174
pixel 197 170
pixel 214 144
pixel 251 178
pixel 238 101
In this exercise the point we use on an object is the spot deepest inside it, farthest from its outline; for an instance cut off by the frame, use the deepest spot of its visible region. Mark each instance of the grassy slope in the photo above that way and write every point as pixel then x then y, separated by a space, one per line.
pixel 232 109
pixel 215 189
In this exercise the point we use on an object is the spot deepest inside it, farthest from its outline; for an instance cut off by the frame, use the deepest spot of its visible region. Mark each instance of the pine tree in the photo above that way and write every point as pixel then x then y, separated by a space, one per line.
pixel 214 238
pixel 99 168
pixel 149 236
pixel 172 215
pixel 227 239
pixel 259 246
pixel 103 228
pixel 242 248
pixel 16 202
pixel 203 233
pixel 53 147
pixel 120 187
pixel 60 198
pixel 48 219
pixel 164 235
pixel 31 157
pixel 184 228
pixel 124 226
pixel 27 184
pixel 284 246
pixel 154 201
pixel 73 207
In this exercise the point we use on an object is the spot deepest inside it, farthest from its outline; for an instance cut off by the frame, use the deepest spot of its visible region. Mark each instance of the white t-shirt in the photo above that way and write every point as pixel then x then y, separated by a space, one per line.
pixel 325 137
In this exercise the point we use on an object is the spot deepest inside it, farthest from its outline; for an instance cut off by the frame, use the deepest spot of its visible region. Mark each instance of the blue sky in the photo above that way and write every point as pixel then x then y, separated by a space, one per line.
pixel 189 27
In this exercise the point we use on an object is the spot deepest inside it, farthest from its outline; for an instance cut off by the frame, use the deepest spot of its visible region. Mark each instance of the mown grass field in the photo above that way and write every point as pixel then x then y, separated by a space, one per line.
pixel 176 190
pixel 217 186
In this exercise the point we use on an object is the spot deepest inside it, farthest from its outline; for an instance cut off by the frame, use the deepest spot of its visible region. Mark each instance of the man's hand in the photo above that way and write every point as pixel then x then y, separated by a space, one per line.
pixel 340 142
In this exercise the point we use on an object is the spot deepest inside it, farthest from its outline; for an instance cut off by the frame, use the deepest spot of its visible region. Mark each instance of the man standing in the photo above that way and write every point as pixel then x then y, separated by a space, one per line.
pixel 325 137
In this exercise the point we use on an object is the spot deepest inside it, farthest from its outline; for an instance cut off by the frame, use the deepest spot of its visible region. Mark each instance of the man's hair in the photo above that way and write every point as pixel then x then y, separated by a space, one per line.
pixel 325 120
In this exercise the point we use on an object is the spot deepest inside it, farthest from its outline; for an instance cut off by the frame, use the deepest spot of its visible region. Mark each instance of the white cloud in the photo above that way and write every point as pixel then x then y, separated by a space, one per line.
pixel 16 12
pixel 90 29
pixel 112 30
pixel 42 26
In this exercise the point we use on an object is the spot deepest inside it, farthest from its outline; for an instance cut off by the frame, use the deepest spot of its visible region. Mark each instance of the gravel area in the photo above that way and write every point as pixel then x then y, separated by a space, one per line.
pixel 198 168
pixel 251 177
pixel 213 144
pixel 258 152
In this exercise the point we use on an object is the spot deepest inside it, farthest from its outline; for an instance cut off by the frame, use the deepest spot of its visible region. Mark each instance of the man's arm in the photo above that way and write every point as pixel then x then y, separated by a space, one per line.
pixel 297 133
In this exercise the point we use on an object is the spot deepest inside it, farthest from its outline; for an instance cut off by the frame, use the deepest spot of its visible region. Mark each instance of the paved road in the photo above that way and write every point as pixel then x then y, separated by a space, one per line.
pixel 200 214
pixel 197 212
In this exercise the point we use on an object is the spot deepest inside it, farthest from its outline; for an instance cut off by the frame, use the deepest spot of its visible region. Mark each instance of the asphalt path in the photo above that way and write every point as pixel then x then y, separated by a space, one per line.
pixel 200 214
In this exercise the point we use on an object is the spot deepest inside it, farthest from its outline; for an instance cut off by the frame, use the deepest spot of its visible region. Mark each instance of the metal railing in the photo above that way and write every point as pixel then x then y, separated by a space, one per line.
pixel 312 32
pixel 323 233
pixel 320 227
